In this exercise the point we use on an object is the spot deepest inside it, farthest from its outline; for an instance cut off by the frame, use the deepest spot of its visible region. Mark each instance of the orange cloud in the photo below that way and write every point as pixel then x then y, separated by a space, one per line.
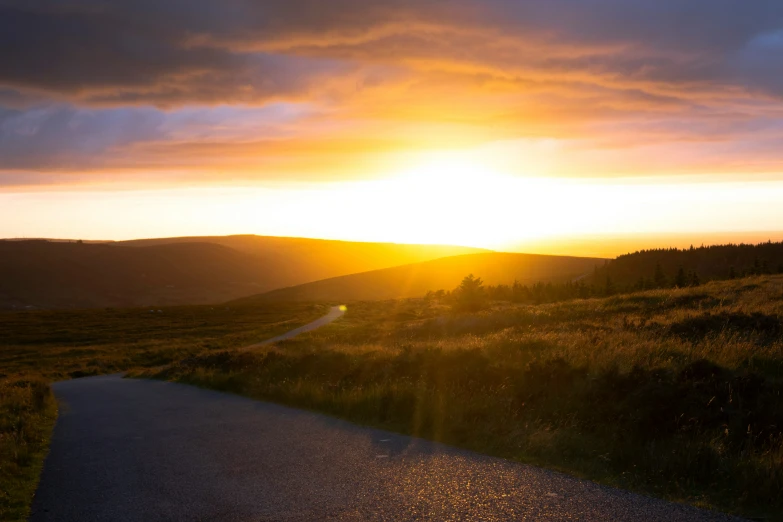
pixel 621 88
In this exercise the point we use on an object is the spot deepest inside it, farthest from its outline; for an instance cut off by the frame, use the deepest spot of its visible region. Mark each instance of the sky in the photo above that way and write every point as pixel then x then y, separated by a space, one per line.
pixel 492 123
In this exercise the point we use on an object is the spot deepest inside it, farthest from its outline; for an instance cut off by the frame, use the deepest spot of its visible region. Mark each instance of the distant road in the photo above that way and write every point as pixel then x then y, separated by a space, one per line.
pixel 334 313
pixel 141 450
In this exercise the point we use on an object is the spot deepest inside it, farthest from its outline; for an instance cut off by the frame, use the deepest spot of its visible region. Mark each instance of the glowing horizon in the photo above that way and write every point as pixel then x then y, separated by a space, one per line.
pixel 455 206
pixel 477 123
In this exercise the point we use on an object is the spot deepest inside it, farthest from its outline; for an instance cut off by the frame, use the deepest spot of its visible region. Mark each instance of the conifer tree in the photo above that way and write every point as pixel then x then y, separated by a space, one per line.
pixel 659 278
pixel 609 290
pixel 470 294
pixel 681 281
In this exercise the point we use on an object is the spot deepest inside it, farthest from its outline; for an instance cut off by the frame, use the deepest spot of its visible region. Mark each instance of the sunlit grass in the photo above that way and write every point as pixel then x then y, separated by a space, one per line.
pixel 671 392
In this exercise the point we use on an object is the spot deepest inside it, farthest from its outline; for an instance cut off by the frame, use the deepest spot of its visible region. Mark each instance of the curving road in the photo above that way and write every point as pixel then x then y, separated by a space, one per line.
pixel 334 313
pixel 140 450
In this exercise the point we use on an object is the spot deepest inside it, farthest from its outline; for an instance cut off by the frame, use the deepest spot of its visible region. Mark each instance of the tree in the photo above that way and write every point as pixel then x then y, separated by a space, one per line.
pixel 641 284
pixel 659 278
pixel 470 294
pixel 435 295
pixel 609 290
pixel 519 292
pixel 681 281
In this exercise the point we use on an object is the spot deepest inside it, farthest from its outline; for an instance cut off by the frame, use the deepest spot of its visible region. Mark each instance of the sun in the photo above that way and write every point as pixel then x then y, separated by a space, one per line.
pixel 447 198
pixel 467 198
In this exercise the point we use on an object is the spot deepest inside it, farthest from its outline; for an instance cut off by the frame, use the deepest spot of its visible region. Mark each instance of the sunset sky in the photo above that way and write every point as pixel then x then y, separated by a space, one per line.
pixel 479 122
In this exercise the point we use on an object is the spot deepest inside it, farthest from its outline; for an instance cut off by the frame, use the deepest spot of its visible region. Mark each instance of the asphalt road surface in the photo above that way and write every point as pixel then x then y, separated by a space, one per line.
pixel 141 450
pixel 128 450
pixel 334 313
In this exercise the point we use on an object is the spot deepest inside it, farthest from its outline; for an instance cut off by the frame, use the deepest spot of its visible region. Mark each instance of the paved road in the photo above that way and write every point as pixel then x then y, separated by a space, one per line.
pixel 139 450
pixel 334 313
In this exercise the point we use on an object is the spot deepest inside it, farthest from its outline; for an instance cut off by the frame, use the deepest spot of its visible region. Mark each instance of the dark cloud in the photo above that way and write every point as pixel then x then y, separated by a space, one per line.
pixel 68 138
pixel 89 83
pixel 124 52
pixel 192 51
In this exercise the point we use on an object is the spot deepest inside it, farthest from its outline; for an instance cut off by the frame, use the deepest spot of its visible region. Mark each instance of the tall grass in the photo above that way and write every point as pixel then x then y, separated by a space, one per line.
pixel 27 413
pixel 671 392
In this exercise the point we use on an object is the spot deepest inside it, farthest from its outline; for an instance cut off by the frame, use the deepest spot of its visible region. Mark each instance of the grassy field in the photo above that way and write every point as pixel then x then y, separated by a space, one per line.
pixel 676 393
pixel 39 347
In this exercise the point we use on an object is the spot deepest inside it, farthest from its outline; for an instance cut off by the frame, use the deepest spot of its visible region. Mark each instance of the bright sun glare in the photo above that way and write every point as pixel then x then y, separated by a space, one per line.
pixel 464 198
pixel 461 198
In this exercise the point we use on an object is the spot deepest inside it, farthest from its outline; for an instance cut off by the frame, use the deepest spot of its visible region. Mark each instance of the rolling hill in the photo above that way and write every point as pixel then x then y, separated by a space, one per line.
pixel 291 261
pixel 174 271
pixel 415 280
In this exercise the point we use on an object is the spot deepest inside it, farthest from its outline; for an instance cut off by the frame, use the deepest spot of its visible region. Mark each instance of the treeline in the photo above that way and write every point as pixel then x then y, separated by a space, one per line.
pixel 667 268
pixel 472 294
pixel 642 270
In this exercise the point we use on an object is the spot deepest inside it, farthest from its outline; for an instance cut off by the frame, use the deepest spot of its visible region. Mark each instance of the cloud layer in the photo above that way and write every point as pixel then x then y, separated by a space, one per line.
pixel 306 88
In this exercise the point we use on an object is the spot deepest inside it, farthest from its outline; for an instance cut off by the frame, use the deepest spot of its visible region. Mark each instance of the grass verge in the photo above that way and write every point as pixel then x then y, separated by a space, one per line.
pixel 27 415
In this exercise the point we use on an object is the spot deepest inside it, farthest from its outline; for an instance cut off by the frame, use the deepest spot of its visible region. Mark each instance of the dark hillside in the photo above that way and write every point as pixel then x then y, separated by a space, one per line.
pixel 417 279
pixel 70 275
pixel 294 260
pixel 174 271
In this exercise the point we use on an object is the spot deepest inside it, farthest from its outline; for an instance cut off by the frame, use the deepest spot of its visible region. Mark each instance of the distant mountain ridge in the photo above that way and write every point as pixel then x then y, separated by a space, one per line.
pixel 175 271
pixel 415 280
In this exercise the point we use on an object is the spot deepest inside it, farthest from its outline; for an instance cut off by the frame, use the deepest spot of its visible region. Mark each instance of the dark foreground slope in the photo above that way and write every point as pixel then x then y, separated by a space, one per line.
pixel 415 280
pixel 48 274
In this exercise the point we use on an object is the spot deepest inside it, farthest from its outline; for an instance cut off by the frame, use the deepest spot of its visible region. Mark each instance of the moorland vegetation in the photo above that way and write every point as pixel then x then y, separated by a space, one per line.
pixel 672 392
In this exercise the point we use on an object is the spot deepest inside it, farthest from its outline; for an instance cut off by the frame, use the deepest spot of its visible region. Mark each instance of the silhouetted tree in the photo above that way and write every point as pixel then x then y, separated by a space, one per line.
pixel 680 281
pixel 435 295
pixel 659 278
pixel 519 292
pixel 641 284
pixel 609 288
pixel 470 294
